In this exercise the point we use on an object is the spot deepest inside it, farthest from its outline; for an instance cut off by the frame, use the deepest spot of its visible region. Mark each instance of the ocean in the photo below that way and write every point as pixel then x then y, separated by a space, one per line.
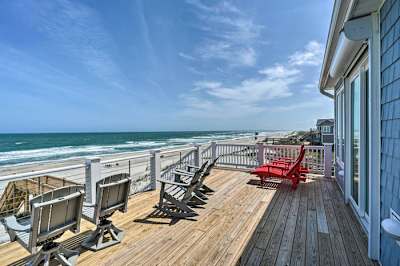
pixel 30 148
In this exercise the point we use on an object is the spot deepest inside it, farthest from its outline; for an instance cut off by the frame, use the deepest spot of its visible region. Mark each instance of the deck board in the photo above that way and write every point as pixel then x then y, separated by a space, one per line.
pixel 242 223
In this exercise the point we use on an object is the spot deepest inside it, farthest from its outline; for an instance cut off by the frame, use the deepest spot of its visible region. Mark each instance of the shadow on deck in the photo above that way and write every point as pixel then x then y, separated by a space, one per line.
pixel 242 223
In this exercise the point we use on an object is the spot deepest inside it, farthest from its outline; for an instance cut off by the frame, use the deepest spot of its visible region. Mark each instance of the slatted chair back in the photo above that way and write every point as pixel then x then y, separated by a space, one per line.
pixel 194 181
pixel 111 195
pixel 295 168
pixel 55 212
pixel 210 167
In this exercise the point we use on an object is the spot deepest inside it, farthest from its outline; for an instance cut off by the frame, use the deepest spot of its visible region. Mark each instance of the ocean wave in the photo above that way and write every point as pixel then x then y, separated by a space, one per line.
pixel 69 152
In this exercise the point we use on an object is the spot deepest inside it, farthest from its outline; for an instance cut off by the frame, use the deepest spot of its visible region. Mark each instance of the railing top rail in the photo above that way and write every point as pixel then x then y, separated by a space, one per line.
pixel 125 158
pixel 26 175
pixel 283 146
pixel 295 146
pixel 191 148
pixel 235 144
pixel 314 147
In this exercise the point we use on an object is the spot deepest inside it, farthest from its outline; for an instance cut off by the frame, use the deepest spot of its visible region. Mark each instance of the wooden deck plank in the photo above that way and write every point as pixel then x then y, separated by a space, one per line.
pixel 353 254
pixel 338 250
pixel 253 239
pixel 285 249
pixel 272 250
pixel 312 239
pixel 300 234
pixel 325 250
pixel 359 235
pixel 241 223
pixel 321 216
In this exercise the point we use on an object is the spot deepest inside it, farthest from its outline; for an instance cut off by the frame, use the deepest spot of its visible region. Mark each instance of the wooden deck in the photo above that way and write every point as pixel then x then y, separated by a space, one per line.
pixel 241 224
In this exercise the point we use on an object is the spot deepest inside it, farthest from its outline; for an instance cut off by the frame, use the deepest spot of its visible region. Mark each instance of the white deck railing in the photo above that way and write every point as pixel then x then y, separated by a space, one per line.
pixel 237 155
pixel 314 159
pixel 147 167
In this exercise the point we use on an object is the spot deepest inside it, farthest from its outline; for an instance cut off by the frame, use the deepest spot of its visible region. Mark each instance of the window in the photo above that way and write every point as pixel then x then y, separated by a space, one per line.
pixel 340 152
pixel 355 136
pixel 326 129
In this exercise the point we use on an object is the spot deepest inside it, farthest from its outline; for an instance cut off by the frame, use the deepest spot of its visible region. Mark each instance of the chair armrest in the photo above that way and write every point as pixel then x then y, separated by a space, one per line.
pixel 89 204
pixel 164 181
pixel 182 172
pixel 193 166
pixel 11 222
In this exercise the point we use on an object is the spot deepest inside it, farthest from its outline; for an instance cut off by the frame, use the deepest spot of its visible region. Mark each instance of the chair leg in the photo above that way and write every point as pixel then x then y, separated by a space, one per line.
pixel 96 241
pixel 200 195
pixel 196 200
pixel 65 257
pixel 207 189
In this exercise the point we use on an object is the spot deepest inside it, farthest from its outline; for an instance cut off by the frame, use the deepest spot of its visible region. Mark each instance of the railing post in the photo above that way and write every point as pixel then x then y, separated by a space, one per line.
pixel 213 150
pixel 197 155
pixel 328 160
pixel 155 168
pixel 260 153
pixel 92 175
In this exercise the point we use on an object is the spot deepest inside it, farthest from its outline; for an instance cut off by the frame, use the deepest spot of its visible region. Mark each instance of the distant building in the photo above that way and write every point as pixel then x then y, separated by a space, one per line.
pixel 325 128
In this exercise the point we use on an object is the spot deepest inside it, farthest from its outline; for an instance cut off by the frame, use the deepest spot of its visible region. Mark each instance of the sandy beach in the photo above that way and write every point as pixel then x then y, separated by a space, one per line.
pixel 138 166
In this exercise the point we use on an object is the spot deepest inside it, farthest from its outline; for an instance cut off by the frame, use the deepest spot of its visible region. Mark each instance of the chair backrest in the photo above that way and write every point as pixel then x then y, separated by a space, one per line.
pixel 198 173
pixel 55 212
pixel 111 195
pixel 295 168
pixel 194 181
pixel 210 166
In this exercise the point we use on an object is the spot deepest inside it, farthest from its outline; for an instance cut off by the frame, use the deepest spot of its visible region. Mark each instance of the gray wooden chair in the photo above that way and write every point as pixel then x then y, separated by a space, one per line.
pixel 111 195
pixel 52 214
pixel 175 197
pixel 201 188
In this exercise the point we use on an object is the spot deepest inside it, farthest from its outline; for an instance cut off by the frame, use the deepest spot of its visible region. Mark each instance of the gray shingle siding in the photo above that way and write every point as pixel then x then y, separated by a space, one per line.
pixel 390 125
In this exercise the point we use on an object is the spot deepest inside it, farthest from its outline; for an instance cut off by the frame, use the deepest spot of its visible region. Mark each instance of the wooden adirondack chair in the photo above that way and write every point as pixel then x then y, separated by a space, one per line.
pixel 292 173
pixel 52 214
pixel 111 195
pixel 175 197
pixel 201 188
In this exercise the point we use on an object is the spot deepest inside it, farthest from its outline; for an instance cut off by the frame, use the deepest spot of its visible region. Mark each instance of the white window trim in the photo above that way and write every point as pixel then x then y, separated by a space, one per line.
pixel 339 103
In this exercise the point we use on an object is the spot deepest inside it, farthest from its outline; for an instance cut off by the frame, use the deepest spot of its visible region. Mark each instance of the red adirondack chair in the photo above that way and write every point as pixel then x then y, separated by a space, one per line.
pixel 292 173
pixel 287 162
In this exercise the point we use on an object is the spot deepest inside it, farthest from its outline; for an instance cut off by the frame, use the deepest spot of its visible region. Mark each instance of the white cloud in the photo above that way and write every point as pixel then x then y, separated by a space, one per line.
pixel 251 95
pixel 213 98
pixel 279 71
pixel 231 35
pixel 311 55
pixel 77 29
pixel 207 85
pixel 302 105
pixel 186 56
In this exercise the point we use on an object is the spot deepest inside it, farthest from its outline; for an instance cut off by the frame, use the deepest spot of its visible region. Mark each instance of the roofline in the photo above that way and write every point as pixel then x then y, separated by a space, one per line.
pixel 343 11
pixel 332 39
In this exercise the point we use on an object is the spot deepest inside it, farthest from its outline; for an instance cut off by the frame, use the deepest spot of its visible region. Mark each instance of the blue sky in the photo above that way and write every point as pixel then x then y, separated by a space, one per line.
pixel 161 65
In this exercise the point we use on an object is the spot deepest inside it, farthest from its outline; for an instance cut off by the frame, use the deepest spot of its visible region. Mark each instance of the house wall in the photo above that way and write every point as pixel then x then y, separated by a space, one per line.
pixel 390 124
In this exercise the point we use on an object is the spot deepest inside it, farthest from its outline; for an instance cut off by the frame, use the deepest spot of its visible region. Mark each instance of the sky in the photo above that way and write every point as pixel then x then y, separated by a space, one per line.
pixel 83 66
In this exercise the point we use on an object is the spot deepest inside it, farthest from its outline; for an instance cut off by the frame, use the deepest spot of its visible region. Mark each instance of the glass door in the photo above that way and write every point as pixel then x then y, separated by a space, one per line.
pixel 355 88
pixel 359 179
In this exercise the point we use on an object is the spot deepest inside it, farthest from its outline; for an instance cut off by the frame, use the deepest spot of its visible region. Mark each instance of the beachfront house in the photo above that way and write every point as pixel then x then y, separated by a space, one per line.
pixel 360 72
pixel 325 128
